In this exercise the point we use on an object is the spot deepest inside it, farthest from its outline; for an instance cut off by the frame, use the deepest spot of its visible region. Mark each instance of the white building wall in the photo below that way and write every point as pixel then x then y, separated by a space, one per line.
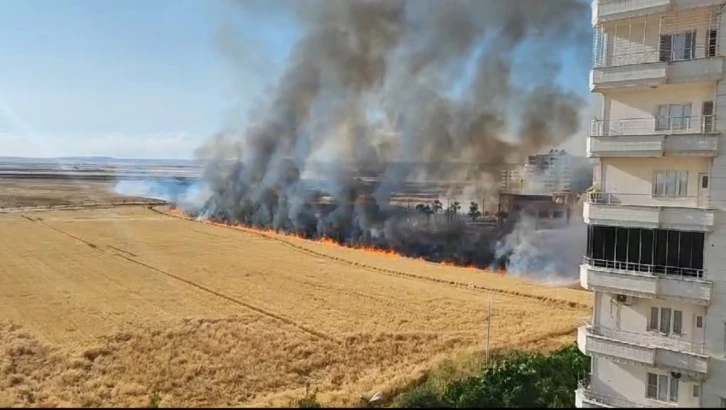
pixel 634 320
pixel 714 388
pixel 629 382
pixel 632 179
pixel 636 41
pixel 624 104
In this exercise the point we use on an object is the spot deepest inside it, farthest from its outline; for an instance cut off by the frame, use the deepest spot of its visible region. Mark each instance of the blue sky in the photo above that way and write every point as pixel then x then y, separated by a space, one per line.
pixel 133 78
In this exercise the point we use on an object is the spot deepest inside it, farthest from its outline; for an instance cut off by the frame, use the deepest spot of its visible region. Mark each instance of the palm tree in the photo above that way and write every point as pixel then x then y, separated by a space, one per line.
pixel 453 210
pixel 474 212
pixel 425 209
pixel 436 206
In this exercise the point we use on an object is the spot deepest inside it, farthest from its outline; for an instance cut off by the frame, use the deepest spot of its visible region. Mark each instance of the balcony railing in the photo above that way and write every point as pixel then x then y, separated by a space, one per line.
pixel 653 126
pixel 651 339
pixel 655 200
pixel 651 54
pixel 584 386
pixel 664 271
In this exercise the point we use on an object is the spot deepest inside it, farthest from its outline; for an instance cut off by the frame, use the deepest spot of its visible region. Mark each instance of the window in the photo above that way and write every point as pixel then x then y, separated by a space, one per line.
pixel 696 390
pixel 699 322
pixel 707 116
pixel 673 117
pixel 679 46
pixel 711 37
pixel 655 251
pixel 665 320
pixel 704 181
pixel 670 184
pixel 654 314
pixel 662 387
pixel 677 320
pixel 723 403
pixel 652 389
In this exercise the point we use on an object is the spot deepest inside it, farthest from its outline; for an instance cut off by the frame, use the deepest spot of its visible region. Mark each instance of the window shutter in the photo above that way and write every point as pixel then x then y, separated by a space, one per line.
pixel 664 51
pixel 653 325
pixel 677 318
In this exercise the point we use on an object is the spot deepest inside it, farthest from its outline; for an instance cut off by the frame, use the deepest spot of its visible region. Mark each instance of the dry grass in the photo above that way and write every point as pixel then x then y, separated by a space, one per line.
pixel 27 192
pixel 116 304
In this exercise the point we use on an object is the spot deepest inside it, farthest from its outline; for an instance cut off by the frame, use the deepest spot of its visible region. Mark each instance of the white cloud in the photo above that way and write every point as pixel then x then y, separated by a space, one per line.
pixel 157 146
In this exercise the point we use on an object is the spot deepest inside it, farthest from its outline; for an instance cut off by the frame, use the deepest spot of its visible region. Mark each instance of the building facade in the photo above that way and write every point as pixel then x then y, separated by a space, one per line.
pixel 544 174
pixel 656 252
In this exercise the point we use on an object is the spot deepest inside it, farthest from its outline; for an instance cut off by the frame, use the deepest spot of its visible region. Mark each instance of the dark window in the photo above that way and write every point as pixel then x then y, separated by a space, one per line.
pixel 647 250
pixel 704 181
pixel 711 40
pixel 664 54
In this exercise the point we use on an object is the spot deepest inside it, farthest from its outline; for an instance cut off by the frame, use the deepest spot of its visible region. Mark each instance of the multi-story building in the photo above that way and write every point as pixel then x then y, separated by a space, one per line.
pixel 512 179
pixel 656 252
pixel 544 174
pixel 551 172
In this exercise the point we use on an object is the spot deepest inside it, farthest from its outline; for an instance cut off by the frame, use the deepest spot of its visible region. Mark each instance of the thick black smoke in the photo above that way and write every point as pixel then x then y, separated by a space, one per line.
pixel 398 89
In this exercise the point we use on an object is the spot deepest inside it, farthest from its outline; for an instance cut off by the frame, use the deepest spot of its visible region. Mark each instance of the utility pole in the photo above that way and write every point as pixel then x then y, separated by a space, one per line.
pixel 489 326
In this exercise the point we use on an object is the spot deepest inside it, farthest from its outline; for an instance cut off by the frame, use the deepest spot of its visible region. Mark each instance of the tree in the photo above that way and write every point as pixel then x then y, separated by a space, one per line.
pixel 425 209
pixel 436 206
pixel 474 212
pixel 516 379
pixel 453 209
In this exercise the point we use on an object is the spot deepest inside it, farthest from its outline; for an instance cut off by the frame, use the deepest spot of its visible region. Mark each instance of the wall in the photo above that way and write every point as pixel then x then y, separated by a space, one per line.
pixel 633 179
pixel 629 382
pixel 642 103
pixel 635 318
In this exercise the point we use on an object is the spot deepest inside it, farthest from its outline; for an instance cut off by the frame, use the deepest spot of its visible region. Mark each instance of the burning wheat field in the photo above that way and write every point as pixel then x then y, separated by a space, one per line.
pixel 104 307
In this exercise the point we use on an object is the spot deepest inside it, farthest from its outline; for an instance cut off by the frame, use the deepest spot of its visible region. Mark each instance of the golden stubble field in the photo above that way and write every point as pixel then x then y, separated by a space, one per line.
pixel 104 307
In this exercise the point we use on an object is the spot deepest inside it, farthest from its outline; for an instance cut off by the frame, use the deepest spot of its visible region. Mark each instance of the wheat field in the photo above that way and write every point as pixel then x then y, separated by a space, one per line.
pixel 104 307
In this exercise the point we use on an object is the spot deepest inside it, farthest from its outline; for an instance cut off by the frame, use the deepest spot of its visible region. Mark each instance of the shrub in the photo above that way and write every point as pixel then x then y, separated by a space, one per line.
pixel 309 401
pixel 516 379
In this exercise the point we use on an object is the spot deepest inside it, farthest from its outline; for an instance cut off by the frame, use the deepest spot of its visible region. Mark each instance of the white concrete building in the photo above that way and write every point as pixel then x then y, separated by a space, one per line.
pixel 656 255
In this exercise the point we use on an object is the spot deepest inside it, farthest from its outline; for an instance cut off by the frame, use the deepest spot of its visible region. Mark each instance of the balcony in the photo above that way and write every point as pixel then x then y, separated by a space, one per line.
pixel 644 349
pixel 623 59
pixel 648 211
pixel 653 74
pixel 586 397
pixel 653 137
pixel 646 281
pixel 609 10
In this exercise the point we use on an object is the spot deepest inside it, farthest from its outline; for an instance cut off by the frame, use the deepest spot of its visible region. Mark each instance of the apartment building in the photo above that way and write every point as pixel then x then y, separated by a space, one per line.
pixel 656 251
pixel 543 174
pixel 551 172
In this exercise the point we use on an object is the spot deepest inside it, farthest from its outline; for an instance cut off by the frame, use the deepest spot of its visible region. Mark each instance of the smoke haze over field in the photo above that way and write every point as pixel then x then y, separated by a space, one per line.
pixel 373 87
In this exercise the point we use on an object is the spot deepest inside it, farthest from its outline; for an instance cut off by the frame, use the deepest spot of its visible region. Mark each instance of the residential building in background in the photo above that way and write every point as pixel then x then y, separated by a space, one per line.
pixel 544 174
pixel 656 251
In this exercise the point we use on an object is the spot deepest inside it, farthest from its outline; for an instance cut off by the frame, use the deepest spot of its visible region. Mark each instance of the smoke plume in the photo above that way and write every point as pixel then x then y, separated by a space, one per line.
pixel 380 93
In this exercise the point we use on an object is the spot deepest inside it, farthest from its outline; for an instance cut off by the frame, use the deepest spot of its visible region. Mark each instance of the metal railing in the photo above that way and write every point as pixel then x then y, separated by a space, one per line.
pixel 663 271
pixel 609 400
pixel 644 51
pixel 653 338
pixel 654 200
pixel 653 126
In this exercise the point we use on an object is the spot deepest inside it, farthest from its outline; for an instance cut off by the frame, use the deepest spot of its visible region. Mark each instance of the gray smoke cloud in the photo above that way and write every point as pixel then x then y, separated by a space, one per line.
pixel 397 90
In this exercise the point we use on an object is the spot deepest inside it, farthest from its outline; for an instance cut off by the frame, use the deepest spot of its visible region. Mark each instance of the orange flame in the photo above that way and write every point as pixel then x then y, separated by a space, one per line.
pixel 330 242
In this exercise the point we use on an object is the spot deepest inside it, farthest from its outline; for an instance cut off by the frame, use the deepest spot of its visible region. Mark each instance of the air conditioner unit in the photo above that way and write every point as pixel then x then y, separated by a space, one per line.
pixel 624 299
